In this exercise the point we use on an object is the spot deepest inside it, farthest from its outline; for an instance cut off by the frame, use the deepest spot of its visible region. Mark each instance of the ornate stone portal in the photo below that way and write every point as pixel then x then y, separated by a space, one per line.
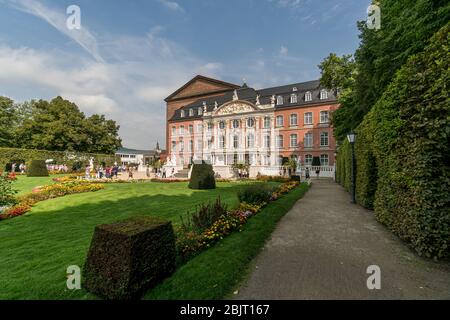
pixel 236 107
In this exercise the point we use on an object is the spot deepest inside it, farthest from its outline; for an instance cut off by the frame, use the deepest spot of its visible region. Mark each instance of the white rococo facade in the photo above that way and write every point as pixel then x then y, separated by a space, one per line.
pixel 238 131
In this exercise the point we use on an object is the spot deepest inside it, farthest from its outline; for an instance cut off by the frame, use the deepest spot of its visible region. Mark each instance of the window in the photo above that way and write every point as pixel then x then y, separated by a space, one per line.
pixel 236 124
pixel 267 141
pixel 210 143
pixel 200 111
pixel 323 94
pixel 191 112
pixel 279 100
pixel 293 140
pixel 222 142
pixel 293 120
pixel 236 141
pixel 199 128
pixel 308 96
pixel 324 139
pixel 182 113
pixel 181 129
pixel 251 122
pixel 174 146
pixel 198 146
pixel 324 159
pixel 308 140
pixel 293 98
pixel 222 125
pixel 308 159
pixel 250 141
pixel 267 122
pixel 294 89
pixel 181 145
pixel 280 141
pixel 280 121
pixel 191 146
pixel 210 127
pixel 324 116
pixel 174 130
pixel 308 118
pixel 191 129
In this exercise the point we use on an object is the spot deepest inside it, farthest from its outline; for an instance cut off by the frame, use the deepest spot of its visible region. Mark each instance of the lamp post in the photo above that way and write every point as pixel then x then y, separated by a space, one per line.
pixel 352 138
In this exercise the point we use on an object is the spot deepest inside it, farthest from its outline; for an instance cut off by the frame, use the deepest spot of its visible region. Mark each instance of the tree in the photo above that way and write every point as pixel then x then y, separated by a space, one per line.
pixel 7 116
pixel 338 73
pixel 59 125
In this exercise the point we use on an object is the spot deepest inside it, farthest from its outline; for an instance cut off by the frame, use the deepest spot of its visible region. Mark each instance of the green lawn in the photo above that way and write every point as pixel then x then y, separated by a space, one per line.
pixel 36 249
pixel 24 184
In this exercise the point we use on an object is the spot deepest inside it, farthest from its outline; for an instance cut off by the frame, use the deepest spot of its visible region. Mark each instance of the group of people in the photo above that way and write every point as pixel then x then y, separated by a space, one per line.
pixel 62 168
pixel 22 167
pixel 100 172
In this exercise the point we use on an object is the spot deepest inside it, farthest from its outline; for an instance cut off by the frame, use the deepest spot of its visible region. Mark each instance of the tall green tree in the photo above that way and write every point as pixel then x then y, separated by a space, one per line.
pixel 7 120
pixel 406 27
pixel 103 134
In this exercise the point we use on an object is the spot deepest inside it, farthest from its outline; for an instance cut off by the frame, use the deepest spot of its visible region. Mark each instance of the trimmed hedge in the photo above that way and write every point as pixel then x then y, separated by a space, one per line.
pixel 37 168
pixel 71 159
pixel 256 193
pixel 202 177
pixel 403 152
pixel 128 257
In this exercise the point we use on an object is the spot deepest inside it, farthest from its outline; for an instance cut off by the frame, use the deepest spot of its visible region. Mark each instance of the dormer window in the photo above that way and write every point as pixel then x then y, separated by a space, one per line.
pixel 279 100
pixel 308 96
pixel 182 113
pixel 323 94
pixel 200 111
pixel 293 98
pixel 294 89
pixel 191 112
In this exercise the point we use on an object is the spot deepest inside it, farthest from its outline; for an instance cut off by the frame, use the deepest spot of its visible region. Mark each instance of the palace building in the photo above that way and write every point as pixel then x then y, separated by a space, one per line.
pixel 224 123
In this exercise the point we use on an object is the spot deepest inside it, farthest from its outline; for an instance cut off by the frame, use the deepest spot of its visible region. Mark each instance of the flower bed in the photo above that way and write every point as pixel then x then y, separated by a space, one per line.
pixel 190 243
pixel 39 194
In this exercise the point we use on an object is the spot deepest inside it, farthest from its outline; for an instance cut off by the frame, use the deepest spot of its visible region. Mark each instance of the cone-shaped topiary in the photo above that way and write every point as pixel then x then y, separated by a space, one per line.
pixel 37 168
pixel 202 177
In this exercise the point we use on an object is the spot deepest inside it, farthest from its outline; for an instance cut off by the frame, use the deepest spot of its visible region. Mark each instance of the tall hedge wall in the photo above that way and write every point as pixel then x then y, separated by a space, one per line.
pixel 68 158
pixel 403 152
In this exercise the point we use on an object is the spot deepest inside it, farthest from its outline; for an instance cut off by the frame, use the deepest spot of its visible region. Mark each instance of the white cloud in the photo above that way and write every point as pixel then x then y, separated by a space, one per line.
pixel 172 5
pixel 58 20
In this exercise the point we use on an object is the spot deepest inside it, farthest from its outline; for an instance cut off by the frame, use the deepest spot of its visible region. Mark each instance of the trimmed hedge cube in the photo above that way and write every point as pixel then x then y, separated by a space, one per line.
pixel 127 258
pixel 202 177
pixel 37 168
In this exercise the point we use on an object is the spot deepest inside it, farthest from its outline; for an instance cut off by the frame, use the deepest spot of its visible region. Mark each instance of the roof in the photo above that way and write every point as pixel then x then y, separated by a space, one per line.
pixel 134 151
pixel 249 94
pixel 200 77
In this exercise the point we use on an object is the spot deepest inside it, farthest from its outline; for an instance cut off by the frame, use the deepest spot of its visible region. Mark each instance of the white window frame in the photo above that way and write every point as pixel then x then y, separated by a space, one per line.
pixel 291 117
pixel 291 140
pixel 309 140
pixel 250 140
pixel 322 134
pixel 308 159
pixel 308 96
pixel 306 116
pixel 280 141
pixel 200 111
pixel 280 100
pixel 236 141
pixel 323 94
pixel 278 122
pixel 191 112
pixel 294 98
pixel 324 114
pixel 267 141
pixel 238 124
pixel 266 122
pixel 191 128
pixel 181 130
pixel 322 161
pixel 251 120
pixel 182 114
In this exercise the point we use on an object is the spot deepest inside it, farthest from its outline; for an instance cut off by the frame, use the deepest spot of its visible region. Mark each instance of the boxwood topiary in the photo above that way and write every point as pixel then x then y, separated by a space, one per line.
pixel 128 257
pixel 202 177
pixel 37 168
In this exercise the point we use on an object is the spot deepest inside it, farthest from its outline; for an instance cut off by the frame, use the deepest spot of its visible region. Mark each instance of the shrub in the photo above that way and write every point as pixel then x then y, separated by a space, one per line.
pixel 202 177
pixel 37 168
pixel 255 193
pixel 127 258
pixel 204 217
pixel 6 192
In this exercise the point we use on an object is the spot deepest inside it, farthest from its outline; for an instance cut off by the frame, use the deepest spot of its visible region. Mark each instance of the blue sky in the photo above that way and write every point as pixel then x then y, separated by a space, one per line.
pixel 129 55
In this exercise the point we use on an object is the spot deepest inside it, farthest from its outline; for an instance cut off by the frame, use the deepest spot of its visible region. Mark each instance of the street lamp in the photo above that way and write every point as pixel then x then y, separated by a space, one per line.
pixel 352 139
